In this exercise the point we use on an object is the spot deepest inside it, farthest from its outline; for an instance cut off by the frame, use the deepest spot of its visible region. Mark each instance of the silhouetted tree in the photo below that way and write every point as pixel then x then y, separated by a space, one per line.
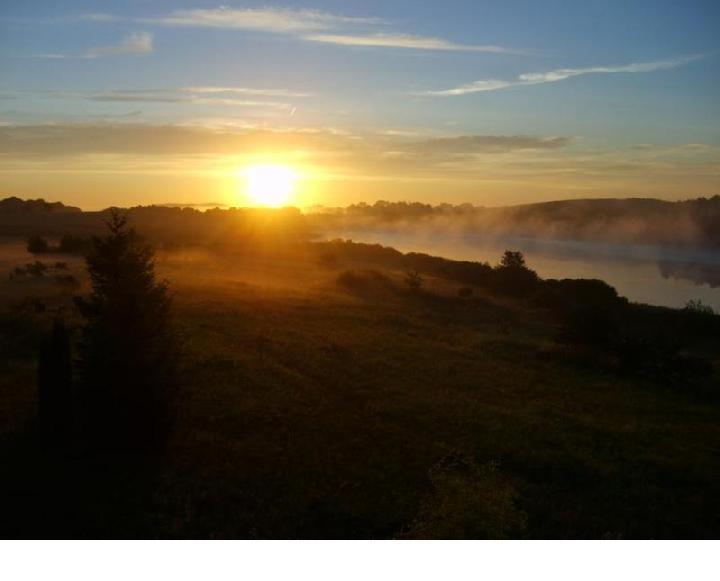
pixel 54 381
pixel 37 245
pixel 513 259
pixel 127 352
pixel 512 276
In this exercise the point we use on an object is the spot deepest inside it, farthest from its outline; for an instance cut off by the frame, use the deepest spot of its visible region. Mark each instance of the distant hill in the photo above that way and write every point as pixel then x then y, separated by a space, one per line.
pixel 15 205
pixel 631 220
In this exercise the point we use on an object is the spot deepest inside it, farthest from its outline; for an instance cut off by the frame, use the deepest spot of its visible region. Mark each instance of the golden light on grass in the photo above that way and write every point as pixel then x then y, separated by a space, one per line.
pixel 270 185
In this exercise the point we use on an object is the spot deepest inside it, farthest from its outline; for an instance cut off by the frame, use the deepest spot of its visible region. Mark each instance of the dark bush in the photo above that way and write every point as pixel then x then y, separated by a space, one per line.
pixel 557 294
pixel 74 244
pixel 362 281
pixel 699 308
pixel 589 311
pixel 37 269
pixel 699 322
pixel 465 272
pixel 37 245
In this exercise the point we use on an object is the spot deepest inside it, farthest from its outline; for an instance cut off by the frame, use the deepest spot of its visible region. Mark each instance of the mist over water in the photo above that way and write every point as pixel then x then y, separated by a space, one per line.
pixel 643 273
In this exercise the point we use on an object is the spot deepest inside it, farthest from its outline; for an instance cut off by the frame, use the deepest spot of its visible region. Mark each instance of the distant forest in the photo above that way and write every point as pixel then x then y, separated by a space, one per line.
pixel 167 226
pixel 631 221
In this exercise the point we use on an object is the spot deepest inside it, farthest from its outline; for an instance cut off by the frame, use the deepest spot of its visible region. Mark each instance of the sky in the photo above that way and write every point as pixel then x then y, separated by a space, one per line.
pixel 459 101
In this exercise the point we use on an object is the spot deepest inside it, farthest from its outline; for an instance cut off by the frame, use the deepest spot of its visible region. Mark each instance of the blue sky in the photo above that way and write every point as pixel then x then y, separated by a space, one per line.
pixel 630 88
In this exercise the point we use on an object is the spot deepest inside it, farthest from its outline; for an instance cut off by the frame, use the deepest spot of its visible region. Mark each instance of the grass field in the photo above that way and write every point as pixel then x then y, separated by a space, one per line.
pixel 312 408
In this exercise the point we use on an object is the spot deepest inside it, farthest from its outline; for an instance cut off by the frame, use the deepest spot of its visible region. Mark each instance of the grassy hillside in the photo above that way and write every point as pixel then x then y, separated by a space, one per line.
pixel 321 399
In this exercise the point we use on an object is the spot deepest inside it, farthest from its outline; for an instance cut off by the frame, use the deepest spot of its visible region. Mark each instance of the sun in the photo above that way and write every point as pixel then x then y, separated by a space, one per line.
pixel 270 185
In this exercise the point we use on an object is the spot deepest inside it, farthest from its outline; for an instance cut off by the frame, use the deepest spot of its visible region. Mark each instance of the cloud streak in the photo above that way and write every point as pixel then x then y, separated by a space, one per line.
pixel 278 20
pixel 467 144
pixel 407 41
pixel 142 97
pixel 145 139
pixel 556 75
pixel 287 93
pixel 137 43
pixel 315 26
pixel 227 96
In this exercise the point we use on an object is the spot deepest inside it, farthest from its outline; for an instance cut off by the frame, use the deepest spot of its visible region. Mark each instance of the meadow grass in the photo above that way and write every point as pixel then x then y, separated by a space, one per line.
pixel 309 409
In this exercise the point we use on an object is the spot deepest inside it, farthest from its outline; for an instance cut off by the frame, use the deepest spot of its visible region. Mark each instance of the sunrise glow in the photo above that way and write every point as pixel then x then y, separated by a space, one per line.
pixel 270 185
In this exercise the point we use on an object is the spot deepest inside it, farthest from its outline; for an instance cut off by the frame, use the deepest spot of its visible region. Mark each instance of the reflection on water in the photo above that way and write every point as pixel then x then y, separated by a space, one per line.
pixel 648 274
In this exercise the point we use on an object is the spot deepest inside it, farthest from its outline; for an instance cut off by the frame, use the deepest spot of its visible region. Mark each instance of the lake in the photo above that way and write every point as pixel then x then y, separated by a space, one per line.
pixel 648 274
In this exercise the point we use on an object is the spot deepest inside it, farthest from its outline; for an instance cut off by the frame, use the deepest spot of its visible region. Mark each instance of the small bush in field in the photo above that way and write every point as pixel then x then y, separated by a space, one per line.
pixel 74 244
pixel 699 308
pixel 413 280
pixel 36 269
pixel 37 245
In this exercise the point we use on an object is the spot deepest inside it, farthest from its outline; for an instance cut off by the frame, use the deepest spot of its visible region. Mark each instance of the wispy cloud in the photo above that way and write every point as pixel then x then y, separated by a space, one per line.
pixel 135 43
pixel 99 17
pixel 175 97
pixel 143 97
pixel 561 75
pixel 467 144
pixel 245 91
pixel 267 19
pixel 226 96
pixel 49 55
pixel 408 41
pixel 316 26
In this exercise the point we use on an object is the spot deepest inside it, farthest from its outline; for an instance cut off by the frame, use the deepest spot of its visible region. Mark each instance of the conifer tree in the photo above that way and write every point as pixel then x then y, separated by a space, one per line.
pixel 127 351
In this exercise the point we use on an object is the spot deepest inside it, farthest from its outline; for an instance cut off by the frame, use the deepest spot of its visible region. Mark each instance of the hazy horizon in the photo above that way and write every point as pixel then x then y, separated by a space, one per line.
pixel 491 104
